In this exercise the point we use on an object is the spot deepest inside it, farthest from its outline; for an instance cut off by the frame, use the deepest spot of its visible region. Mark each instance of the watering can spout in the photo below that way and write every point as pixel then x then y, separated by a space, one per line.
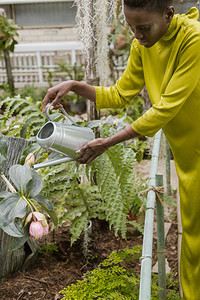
pixel 52 162
pixel 64 139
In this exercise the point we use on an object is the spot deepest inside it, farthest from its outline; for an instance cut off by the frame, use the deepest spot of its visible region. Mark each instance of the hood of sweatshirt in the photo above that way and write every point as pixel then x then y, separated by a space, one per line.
pixel 180 20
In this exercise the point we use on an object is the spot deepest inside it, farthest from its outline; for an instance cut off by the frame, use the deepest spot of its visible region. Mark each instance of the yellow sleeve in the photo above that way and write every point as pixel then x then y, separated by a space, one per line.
pixel 126 88
pixel 179 88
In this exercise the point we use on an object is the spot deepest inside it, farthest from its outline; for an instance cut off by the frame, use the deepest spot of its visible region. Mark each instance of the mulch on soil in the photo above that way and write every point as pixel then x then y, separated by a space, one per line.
pixel 51 273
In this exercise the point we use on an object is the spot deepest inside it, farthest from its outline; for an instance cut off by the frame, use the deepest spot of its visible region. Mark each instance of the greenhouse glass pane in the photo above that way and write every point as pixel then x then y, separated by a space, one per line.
pixel 45 14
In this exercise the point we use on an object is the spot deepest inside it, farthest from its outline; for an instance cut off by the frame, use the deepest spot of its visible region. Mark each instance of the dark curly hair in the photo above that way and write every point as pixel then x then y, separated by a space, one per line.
pixel 151 5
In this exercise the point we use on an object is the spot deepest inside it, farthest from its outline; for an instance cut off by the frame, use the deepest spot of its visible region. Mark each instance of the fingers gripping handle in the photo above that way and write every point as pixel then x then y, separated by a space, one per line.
pixel 47 108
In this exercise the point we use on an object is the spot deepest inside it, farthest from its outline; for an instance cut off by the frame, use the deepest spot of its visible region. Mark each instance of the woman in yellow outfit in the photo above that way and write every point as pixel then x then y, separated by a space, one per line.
pixel 165 55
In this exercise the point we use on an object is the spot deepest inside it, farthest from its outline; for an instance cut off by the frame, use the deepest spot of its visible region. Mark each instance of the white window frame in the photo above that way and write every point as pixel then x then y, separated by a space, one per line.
pixel 12 4
pixel 30 1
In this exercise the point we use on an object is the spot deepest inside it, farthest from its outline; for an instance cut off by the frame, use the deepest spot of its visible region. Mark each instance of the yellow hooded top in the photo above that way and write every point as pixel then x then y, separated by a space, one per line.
pixel 171 71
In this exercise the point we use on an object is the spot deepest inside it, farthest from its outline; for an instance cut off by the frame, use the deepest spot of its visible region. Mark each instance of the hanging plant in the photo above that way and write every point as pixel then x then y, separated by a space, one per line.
pixel 93 19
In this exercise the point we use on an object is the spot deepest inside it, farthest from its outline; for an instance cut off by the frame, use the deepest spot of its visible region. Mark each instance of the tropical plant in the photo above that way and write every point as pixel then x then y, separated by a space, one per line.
pixel 19 214
pixel 115 191
pixel 18 207
pixel 8 32
pixel 77 197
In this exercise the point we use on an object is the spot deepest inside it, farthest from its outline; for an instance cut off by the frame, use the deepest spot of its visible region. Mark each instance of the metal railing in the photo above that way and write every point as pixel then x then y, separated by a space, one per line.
pixel 156 182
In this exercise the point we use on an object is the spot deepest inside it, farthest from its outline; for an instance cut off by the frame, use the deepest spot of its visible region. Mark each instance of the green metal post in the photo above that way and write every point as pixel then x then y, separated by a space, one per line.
pixel 168 178
pixel 146 259
pixel 160 241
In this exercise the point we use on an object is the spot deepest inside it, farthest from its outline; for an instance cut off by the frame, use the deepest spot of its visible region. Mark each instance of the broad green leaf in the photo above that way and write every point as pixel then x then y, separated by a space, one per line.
pixel 4 194
pixel 95 123
pixel 11 208
pixel 34 186
pixel 20 176
pixel 46 204
pixel 12 229
pixel 48 207
pixel 18 242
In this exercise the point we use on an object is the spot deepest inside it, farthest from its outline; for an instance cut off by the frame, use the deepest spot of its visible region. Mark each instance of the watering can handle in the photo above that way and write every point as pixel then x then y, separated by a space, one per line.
pixel 63 111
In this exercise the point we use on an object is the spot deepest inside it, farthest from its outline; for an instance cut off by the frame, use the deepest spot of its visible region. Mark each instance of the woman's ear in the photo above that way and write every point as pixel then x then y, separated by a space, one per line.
pixel 169 13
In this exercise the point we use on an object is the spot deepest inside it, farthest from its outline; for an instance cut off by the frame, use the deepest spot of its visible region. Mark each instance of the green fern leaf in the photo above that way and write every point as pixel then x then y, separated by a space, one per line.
pixel 78 225
pixel 72 213
pixel 108 184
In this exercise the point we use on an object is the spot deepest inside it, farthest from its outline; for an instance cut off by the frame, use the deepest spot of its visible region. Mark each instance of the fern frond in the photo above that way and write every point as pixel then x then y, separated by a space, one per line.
pixel 13 107
pixel 57 177
pixel 28 115
pixel 72 213
pixel 108 184
pixel 78 225
pixel 137 226
pixel 97 209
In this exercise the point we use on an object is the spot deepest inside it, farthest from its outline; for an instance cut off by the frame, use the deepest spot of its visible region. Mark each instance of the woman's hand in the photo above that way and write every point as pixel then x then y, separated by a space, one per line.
pixel 98 146
pixel 91 150
pixel 54 94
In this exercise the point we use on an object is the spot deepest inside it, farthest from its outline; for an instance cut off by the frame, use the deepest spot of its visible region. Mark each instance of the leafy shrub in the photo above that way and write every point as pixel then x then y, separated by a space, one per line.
pixel 110 280
pixel 172 287
pixel 115 278
pixel 77 197
pixel 8 33
pixel 5 91
pixel 30 91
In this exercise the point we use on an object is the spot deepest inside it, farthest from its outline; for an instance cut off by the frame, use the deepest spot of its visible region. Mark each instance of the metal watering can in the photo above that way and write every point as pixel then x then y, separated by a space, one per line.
pixel 64 139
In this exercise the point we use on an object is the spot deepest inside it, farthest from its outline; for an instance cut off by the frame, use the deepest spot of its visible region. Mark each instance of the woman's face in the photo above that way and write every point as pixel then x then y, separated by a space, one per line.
pixel 148 26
